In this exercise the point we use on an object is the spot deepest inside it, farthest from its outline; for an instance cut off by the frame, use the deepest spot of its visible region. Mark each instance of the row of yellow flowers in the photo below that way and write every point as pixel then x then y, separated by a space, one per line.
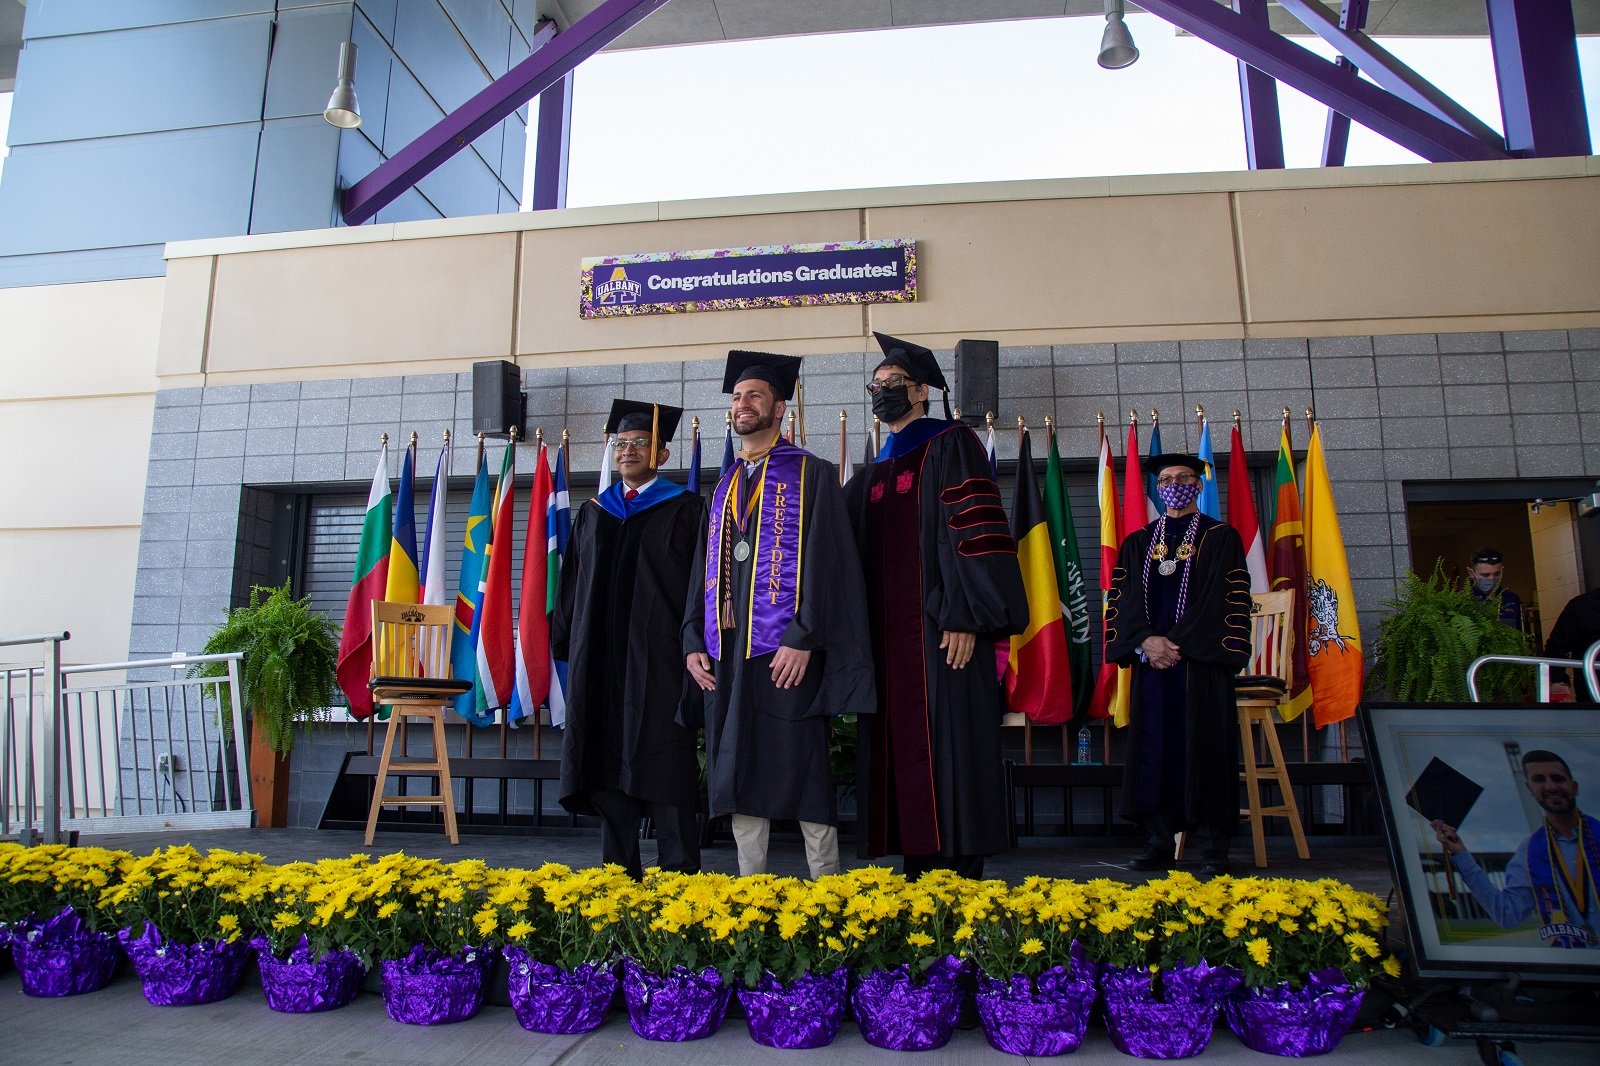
pixel 1273 930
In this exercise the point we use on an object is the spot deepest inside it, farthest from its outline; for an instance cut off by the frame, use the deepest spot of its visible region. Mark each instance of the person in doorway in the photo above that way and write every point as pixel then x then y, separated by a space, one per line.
pixel 1179 614
pixel 628 750
pixel 1576 629
pixel 943 586
pixel 1552 872
pixel 775 630
pixel 1487 574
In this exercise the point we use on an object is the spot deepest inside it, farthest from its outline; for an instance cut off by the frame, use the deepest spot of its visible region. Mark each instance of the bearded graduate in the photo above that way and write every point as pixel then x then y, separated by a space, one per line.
pixel 629 747
pixel 1179 614
pixel 775 629
pixel 943 585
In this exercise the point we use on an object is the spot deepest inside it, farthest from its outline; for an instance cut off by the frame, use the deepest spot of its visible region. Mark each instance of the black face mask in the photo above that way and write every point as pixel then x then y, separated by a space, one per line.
pixel 891 405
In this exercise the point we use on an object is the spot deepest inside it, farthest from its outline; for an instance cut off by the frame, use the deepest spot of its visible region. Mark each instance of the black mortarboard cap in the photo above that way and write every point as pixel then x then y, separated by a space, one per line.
pixel 779 371
pixel 1157 463
pixel 1443 793
pixel 916 360
pixel 639 414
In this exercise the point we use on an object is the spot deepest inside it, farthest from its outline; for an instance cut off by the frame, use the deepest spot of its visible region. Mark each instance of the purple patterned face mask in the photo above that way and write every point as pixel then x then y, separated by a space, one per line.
pixel 1177 497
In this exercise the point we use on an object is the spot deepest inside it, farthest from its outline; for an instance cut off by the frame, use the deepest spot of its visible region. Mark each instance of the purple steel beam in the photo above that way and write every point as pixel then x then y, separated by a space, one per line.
pixel 1536 63
pixel 555 139
pixel 1384 69
pixel 1336 132
pixel 1386 114
pixel 516 87
pixel 1258 99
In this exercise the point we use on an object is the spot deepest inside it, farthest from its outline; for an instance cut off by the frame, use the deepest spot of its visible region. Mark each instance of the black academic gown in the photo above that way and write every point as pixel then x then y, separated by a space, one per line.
pixel 631 704
pixel 938 553
pixel 766 747
pixel 1182 767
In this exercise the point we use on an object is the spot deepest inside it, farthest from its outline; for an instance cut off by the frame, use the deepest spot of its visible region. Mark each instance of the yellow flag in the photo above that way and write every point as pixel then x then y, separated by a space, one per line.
pixel 1333 638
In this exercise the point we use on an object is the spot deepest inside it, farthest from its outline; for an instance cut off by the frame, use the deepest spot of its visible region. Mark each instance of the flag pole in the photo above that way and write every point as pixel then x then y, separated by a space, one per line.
pixel 877 439
pixel 1105 723
pixel 843 433
pixel 1199 420
pixel 1027 723
pixel 1050 435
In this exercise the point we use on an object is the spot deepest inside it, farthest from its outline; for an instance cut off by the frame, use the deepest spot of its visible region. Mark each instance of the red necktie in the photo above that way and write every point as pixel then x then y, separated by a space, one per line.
pixel 630 494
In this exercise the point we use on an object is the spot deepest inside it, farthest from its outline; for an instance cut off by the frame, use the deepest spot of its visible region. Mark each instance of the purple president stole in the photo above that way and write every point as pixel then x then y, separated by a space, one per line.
pixel 769 516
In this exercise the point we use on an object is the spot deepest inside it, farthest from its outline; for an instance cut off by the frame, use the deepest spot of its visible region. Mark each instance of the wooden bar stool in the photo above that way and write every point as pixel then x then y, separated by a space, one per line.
pixel 411 675
pixel 1259 692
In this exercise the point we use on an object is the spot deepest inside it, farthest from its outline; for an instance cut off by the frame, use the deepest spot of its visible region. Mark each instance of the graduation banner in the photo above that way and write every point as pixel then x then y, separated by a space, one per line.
pixel 728 279
pixel 1332 634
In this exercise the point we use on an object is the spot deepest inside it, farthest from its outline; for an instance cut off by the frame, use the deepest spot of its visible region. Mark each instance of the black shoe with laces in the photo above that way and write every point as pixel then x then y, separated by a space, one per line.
pixel 1153 858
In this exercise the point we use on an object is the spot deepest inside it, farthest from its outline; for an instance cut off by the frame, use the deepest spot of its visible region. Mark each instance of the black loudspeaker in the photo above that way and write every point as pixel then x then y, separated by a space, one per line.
pixel 977 384
pixel 497 398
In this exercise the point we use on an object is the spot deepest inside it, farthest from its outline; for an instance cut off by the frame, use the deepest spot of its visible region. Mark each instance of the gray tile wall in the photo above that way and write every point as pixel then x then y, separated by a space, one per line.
pixel 1392 409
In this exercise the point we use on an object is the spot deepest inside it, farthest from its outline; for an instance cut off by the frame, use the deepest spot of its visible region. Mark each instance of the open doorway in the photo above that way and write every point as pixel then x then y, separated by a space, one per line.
pixel 1548 541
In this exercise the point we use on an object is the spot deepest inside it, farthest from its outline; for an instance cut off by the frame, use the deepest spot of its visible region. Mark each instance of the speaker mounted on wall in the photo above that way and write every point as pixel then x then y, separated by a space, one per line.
pixel 977 384
pixel 497 400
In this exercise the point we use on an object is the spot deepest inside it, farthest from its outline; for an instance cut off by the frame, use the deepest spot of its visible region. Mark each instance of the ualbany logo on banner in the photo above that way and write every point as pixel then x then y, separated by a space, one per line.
pixel 619 290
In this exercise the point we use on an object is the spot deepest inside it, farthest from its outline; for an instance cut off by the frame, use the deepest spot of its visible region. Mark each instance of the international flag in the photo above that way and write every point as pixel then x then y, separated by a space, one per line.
pixel 605 465
pixel 1242 515
pixel 1069 581
pixel 402 584
pixel 1114 686
pixel 433 580
pixel 1135 501
pixel 989 450
pixel 496 655
pixel 532 640
pixel 558 528
pixel 1039 674
pixel 1210 501
pixel 727 451
pixel 694 460
pixel 1154 507
pixel 1332 636
pixel 371 578
pixel 1287 568
pixel 469 594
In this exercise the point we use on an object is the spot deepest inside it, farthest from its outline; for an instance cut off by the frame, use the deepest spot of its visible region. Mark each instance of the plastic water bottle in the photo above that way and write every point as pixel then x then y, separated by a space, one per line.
pixel 1083 746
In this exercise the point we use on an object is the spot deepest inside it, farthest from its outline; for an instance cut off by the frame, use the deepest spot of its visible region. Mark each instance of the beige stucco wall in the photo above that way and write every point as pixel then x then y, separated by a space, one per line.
pixel 1415 249
pixel 76 393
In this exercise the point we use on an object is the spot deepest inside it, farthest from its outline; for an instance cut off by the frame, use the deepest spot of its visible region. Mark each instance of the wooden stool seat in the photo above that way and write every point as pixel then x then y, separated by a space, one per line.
pixel 411 676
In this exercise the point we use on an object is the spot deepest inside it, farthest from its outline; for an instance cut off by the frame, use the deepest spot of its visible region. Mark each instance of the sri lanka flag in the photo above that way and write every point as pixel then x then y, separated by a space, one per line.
pixel 469 595
pixel 371 578
pixel 1039 674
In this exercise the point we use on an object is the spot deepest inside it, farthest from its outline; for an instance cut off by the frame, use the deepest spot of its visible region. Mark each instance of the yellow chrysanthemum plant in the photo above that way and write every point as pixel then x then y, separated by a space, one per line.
pixel 559 916
pixel 325 906
pixel 39 883
pixel 890 922
pixel 185 896
pixel 1283 932
pixel 786 928
pixel 1027 929
pixel 415 907
pixel 675 919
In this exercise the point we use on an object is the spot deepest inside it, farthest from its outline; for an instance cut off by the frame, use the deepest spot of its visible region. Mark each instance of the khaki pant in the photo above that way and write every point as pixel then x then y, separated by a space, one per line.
pixel 750 835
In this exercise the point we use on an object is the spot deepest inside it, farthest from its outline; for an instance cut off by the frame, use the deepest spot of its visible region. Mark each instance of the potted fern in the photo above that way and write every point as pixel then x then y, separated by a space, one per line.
pixel 288 678
pixel 1437 629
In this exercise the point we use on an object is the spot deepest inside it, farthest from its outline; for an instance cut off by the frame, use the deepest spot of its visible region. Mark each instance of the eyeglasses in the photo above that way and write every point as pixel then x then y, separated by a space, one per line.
pixel 875 387
pixel 1177 479
pixel 638 444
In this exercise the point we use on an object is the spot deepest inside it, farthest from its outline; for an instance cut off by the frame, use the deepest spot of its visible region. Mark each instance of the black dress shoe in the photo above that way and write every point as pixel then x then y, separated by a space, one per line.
pixel 1153 859
pixel 1215 868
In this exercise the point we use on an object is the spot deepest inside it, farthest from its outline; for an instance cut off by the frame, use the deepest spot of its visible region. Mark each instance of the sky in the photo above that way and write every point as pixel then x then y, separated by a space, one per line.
pixel 929 105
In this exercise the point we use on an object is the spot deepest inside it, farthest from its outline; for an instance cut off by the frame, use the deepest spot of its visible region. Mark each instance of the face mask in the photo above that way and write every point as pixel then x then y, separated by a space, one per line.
pixel 1486 584
pixel 891 405
pixel 1177 497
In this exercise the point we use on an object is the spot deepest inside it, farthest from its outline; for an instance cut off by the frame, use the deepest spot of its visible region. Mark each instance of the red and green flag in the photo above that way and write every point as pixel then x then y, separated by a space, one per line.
pixel 1039 674
pixel 497 671
pixel 533 614
pixel 371 579
pixel 1069 581
pixel 1287 567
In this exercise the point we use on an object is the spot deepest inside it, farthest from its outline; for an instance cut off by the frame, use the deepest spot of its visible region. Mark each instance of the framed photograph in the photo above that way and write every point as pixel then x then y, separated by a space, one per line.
pixel 1494 855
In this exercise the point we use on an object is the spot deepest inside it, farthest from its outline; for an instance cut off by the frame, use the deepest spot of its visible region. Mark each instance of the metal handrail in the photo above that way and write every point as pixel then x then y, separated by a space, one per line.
pixel 51 829
pixel 1588 664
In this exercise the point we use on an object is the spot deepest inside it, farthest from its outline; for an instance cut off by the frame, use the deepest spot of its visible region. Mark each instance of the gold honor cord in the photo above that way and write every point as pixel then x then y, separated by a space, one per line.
pixel 1577 882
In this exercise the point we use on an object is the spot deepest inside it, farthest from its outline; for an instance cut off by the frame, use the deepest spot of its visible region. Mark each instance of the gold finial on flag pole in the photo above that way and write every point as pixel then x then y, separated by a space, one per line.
pixel 538 435
pixel 988 418
pixel 727 417
pixel 413 438
pixel 1311 421
pixel 877 435
pixel 1155 418
pixel 694 424
pixel 515 432
pixel 1022 427
pixel 1286 415
pixel 383 439
pixel 447 438
pixel 1133 417
pixel 1237 417
pixel 1050 423
pixel 1199 419
pixel 566 436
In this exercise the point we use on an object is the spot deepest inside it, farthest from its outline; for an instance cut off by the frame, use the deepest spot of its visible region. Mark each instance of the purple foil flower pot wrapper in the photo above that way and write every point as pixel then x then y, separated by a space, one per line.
pixel 426 988
pixel 303 985
pixel 182 975
pixel 896 1014
pixel 61 957
pixel 548 999
pixel 1044 1016
pixel 805 1013
pixel 682 1005
pixel 1295 1022
pixel 1179 1025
